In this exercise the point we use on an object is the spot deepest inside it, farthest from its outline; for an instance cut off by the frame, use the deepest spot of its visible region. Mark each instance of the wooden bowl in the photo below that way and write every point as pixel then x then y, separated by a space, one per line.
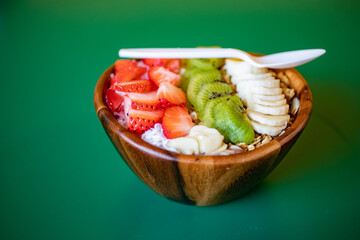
pixel 202 180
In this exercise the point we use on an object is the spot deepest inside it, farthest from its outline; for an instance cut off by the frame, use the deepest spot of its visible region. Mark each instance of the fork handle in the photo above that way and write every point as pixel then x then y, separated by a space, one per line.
pixel 176 52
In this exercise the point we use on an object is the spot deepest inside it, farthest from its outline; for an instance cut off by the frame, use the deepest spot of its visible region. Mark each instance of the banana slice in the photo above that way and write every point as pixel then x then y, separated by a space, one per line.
pixel 249 76
pixel 209 139
pixel 236 67
pixel 268 97
pixel 266 91
pixel 185 145
pixel 271 110
pixel 266 129
pixel 269 103
pixel 271 120
pixel 268 82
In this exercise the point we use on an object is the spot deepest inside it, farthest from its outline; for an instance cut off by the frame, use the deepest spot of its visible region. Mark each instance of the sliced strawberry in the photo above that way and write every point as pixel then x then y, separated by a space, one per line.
pixel 160 74
pixel 155 61
pixel 176 122
pixel 127 107
pixel 127 70
pixel 113 100
pixel 141 121
pixel 170 95
pixel 164 103
pixel 173 65
pixel 144 101
pixel 136 86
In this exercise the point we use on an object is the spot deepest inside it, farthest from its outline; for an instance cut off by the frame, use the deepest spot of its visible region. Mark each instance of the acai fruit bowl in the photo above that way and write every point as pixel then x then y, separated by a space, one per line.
pixel 210 142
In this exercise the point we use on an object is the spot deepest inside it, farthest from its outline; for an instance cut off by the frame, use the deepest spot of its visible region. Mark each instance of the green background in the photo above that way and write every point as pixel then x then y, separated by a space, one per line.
pixel 60 176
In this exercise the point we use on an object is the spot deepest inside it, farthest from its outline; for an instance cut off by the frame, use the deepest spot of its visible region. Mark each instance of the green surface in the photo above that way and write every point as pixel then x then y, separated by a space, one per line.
pixel 61 178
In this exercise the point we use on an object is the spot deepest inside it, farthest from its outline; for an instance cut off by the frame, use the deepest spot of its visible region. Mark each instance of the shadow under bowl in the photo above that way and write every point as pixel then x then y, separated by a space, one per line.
pixel 202 180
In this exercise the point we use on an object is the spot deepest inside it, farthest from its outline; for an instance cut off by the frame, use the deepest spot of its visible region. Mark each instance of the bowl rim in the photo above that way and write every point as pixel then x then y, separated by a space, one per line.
pixel 304 95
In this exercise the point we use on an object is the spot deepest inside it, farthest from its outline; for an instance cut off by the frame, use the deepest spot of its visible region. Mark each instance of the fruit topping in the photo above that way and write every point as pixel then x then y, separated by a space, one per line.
pixel 176 122
pixel 186 76
pixel 170 95
pixel 199 79
pixel 267 107
pixel 127 70
pixel 233 123
pixel 209 91
pixel 207 117
pixel 113 100
pixel 144 101
pixel 160 74
pixel 173 65
pixel 155 61
pixel 136 86
pixel 141 121
pixel 205 63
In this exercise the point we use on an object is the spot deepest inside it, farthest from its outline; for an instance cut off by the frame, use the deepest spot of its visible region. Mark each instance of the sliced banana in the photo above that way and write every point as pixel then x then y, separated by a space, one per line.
pixel 269 97
pixel 209 138
pixel 236 67
pixel 266 129
pixel 184 145
pixel 267 82
pixel 220 149
pixel 200 140
pixel 250 76
pixel 271 120
pixel 266 91
pixel 271 110
pixel 266 104
pixel 269 103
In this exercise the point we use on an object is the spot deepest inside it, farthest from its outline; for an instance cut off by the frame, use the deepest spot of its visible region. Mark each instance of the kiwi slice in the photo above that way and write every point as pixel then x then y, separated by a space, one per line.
pixel 199 79
pixel 232 122
pixel 207 116
pixel 205 63
pixel 209 91
pixel 216 62
pixel 187 75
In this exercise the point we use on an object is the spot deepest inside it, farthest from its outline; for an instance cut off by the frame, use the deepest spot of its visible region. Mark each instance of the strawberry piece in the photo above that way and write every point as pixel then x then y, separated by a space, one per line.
pixel 141 121
pixel 155 61
pixel 170 95
pixel 176 122
pixel 127 107
pixel 127 70
pixel 164 103
pixel 144 101
pixel 173 65
pixel 137 86
pixel 160 74
pixel 113 100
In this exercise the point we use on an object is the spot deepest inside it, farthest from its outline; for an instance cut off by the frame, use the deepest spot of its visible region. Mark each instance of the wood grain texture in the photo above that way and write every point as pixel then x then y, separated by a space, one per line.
pixel 201 180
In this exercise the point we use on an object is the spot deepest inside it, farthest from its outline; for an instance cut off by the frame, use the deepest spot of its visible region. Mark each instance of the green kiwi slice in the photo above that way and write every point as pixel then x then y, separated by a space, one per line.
pixel 186 76
pixel 199 79
pixel 205 63
pixel 209 91
pixel 207 116
pixel 232 122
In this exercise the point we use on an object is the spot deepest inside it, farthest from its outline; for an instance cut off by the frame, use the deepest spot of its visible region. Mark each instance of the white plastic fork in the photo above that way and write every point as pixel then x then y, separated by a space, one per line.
pixel 277 60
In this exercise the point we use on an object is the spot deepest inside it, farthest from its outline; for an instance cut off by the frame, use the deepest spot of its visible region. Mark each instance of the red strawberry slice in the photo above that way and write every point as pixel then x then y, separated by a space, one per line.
pixel 155 61
pixel 160 74
pixel 173 65
pixel 136 86
pixel 113 100
pixel 127 107
pixel 164 103
pixel 176 122
pixel 141 121
pixel 127 70
pixel 170 95
pixel 144 101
